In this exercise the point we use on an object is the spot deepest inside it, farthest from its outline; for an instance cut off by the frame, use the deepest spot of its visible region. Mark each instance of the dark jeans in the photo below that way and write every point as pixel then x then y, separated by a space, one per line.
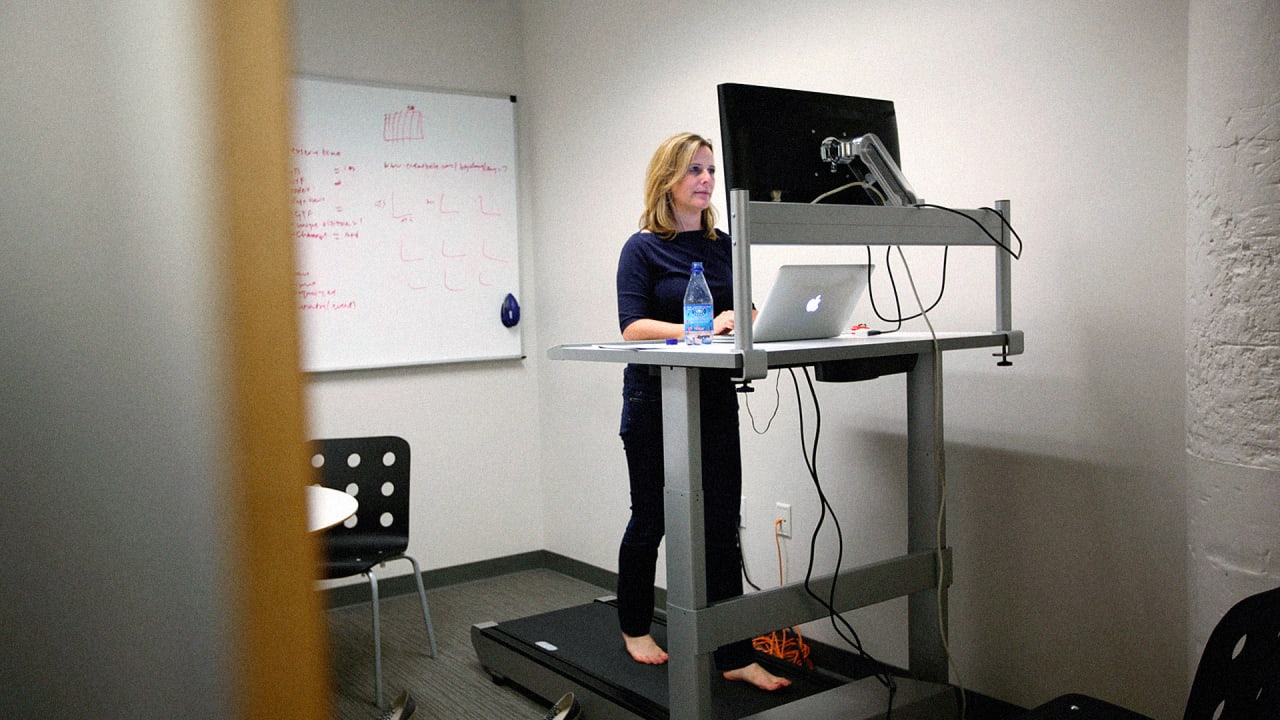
pixel 641 432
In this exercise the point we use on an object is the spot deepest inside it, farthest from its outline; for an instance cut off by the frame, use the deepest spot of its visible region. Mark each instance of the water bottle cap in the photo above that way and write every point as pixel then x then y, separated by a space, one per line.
pixel 697 266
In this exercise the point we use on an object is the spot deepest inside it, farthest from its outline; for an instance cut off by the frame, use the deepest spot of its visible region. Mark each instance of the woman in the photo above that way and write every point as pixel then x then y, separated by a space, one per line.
pixel 677 228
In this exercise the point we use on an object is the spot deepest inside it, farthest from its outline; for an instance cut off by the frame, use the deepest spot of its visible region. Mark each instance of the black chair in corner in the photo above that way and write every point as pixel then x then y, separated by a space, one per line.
pixel 1239 671
pixel 1238 677
pixel 376 471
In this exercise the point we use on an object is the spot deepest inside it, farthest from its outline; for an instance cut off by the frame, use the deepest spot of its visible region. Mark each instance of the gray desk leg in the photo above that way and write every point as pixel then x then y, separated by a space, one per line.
pixel 926 609
pixel 688 671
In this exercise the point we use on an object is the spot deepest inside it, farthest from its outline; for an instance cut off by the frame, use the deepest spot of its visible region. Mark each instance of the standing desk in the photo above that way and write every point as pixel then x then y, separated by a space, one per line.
pixel 695 627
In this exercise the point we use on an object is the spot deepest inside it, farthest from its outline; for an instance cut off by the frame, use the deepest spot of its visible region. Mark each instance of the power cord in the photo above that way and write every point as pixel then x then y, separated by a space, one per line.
pixel 894 285
pixel 742 562
pixel 1016 255
pixel 777 403
pixel 874 191
pixel 779 643
pixel 884 677
pixel 871 189
pixel 940 469
pixel 882 672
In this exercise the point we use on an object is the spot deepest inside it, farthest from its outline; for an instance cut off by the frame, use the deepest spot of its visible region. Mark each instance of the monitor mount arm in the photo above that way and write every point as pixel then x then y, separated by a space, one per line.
pixel 885 173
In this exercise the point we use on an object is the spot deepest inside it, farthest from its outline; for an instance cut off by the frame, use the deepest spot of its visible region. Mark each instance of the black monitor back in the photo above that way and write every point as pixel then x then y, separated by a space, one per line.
pixel 771 140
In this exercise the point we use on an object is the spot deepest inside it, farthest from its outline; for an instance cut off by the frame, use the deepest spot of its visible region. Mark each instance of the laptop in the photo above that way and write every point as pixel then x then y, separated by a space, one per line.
pixel 810 302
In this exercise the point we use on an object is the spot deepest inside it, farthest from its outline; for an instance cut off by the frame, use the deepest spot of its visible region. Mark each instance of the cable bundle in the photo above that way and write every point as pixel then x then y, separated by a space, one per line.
pixel 778 643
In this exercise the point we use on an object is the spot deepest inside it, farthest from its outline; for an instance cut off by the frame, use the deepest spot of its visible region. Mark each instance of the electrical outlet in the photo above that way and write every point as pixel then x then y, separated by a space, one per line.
pixel 784 514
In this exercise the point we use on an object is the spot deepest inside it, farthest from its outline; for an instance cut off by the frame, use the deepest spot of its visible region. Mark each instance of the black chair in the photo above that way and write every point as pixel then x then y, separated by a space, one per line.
pixel 1238 677
pixel 1239 669
pixel 375 470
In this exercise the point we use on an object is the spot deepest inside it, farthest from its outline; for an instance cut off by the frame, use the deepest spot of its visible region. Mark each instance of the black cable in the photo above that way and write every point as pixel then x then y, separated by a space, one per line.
pixel 742 561
pixel 1016 255
pixel 889 269
pixel 1005 222
pixel 777 398
pixel 882 672
pixel 777 404
pixel 870 294
pixel 942 288
pixel 874 194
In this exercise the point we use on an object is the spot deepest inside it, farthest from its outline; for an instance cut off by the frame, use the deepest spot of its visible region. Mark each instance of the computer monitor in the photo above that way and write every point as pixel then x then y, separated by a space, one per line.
pixel 771 142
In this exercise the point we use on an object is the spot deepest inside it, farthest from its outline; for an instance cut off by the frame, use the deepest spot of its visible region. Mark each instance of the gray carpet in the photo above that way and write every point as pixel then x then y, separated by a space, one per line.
pixel 453 685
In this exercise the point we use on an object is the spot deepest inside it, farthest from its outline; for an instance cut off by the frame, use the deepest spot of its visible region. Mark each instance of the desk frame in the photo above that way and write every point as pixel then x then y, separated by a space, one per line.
pixel 694 627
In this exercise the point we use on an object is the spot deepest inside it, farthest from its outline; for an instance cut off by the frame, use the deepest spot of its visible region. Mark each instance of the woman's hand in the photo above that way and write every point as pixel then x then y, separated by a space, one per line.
pixel 723 324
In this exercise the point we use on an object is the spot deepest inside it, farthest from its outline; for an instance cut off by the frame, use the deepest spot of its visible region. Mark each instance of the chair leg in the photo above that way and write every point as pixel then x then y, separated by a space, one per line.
pixel 377 638
pixel 422 595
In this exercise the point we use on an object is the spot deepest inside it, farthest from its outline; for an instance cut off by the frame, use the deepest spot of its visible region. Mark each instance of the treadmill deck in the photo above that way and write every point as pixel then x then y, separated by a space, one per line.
pixel 574 649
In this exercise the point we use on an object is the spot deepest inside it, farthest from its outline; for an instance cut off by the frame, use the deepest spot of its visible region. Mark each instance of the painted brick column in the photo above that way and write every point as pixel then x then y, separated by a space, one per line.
pixel 1233 307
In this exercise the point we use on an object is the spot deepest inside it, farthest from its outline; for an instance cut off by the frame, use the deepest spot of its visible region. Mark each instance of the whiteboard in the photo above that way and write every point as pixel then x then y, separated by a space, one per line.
pixel 404 204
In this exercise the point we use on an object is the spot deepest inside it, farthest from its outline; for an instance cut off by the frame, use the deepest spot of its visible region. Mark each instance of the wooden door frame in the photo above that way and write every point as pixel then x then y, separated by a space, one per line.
pixel 280 659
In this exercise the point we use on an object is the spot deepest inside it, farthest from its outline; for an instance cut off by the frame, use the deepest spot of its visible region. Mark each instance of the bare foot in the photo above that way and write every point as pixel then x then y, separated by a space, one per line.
pixel 757 676
pixel 644 649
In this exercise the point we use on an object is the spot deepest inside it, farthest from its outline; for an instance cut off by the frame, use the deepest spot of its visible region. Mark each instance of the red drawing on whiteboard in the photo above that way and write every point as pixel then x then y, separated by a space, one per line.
pixel 402 125
pixel 404 254
pixel 484 211
pixel 484 250
pixel 440 206
pixel 445 253
pixel 406 216
pixel 451 287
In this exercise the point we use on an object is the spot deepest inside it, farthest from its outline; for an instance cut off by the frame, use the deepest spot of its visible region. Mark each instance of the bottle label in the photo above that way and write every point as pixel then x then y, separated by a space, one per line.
pixel 698 323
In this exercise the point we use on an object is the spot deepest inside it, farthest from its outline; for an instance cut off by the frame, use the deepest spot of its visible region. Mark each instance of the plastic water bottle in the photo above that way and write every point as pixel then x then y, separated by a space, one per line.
pixel 698 318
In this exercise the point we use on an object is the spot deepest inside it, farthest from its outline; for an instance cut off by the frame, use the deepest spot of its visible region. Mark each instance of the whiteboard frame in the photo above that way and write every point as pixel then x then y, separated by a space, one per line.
pixel 519 352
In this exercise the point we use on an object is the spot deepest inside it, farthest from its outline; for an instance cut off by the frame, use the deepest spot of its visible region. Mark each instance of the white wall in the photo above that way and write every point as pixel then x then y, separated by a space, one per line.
pixel 472 427
pixel 1233 314
pixel 1066 470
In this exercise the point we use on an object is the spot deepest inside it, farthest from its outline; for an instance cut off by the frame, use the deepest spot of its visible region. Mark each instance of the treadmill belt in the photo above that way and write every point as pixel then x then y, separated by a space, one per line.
pixel 585 640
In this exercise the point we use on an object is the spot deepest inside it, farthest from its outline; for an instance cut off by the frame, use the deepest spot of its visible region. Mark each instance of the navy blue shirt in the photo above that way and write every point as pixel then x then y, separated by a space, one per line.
pixel 653 274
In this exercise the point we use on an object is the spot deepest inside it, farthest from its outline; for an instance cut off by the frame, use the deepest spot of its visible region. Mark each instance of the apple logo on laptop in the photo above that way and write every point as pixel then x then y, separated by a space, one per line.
pixel 812 305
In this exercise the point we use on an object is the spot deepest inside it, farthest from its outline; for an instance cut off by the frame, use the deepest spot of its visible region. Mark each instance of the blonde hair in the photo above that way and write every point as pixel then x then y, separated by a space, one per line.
pixel 668 166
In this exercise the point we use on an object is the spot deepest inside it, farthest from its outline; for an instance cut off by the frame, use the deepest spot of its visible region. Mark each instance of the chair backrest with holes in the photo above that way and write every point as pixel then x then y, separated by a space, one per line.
pixel 1239 671
pixel 376 471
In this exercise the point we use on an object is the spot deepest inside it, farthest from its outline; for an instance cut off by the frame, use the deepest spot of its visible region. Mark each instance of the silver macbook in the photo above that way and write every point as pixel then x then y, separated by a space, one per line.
pixel 809 302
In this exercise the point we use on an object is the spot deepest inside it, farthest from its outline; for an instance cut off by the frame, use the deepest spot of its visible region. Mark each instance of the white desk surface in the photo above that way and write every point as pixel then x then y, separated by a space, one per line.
pixel 725 355
pixel 327 507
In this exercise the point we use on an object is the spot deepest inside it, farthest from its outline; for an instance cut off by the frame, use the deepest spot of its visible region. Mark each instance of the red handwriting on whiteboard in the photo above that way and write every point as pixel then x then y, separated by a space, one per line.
pixel 341 194
pixel 402 216
pixel 407 255
pixel 490 210
pixel 321 152
pixel 440 206
pixel 314 297
pixel 453 166
pixel 402 125
pixel 320 205
pixel 489 255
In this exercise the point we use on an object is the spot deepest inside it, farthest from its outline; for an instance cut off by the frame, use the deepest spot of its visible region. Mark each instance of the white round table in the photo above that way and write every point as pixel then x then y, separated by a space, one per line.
pixel 327 507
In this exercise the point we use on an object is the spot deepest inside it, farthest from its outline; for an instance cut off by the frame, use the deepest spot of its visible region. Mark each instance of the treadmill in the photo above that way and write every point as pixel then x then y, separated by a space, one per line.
pixel 577 649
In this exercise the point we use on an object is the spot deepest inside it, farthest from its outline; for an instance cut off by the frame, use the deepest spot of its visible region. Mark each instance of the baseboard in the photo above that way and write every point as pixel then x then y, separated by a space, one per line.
pixel 358 592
